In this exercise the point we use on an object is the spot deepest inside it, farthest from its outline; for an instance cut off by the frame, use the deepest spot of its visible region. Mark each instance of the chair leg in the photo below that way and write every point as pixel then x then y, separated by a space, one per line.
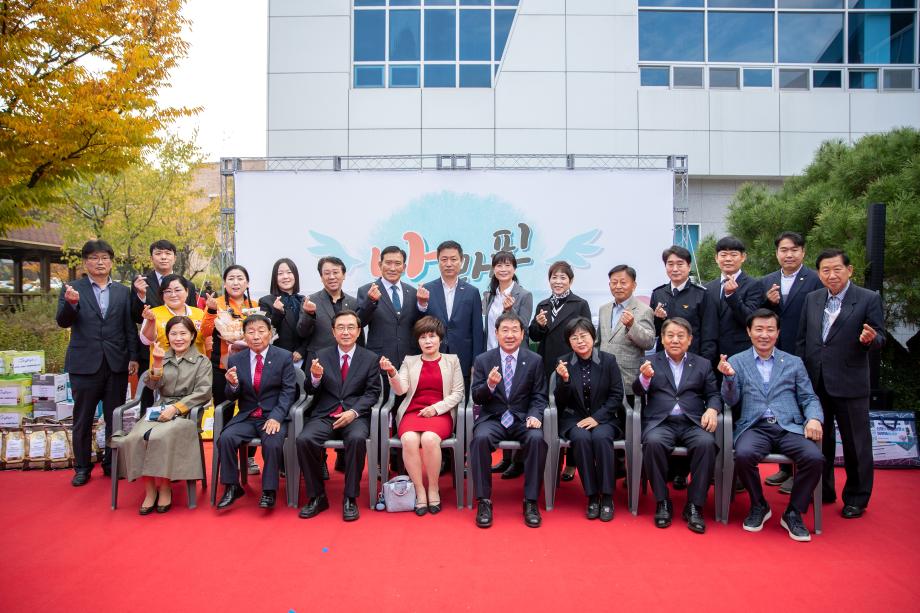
pixel 204 470
pixel 459 481
pixel 718 474
pixel 635 470
pixel 114 478
pixel 244 464
pixel 551 475
pixel 215 475
pixel 817 504
pixel 190 490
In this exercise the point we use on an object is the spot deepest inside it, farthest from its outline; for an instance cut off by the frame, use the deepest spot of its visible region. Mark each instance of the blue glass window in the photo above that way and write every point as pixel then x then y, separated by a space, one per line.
pixel 863 79
pixel 369 76
pixel 826 79
pixel 724 78
pixel 475 35
pixel 440 75
pixel 503 21
pixel 370 36
pixel 793 78
pixel 675 3
pixel 506 2
pixel 441 35
pixel 758 77
pixel 404 76
pixel 671 36
pixel 811 4
pixel 811 38
pixel 740 37
pixel 654 76
pixel 475 2
pixel 687 236
pixel 741 4
pixel 475 75
pixel 404 2
pixel 369 2
pixel 404 35
pixel 440 2
pixel 883 4
pixel 882 38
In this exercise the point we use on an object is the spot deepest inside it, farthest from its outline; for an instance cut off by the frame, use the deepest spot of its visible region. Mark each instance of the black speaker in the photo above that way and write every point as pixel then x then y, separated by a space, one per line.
pixel 875 247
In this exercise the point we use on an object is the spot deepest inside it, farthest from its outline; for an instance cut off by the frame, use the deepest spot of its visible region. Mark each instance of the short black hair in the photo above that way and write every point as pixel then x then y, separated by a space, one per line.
pixel 186 322
pixel 344 313
pixel 428 324
pixel 797 239
pixel 167 280
pixel 730 243
pixel 330 259
pixel 509 316
pixel 580 323
pixel 762 314
pixel 273 288
pixel 560 266
pixel 393 249
pixel 832 252
pixel 255 318
pixel 677 250
pixel 677 321
pixel 163 245
pixel 95 246
pixel 623 267
pixel 450 245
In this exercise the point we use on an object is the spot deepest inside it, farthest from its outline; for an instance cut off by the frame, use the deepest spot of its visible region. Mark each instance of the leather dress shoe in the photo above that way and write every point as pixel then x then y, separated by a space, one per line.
pixel 532 517
pixel 593 510
pixel 514 471
pixel 567 475
pixel 106 470
pixel 421 510
pixel 150 509
pixel 484 513
pixel 267 501
pixel 663 514
pixel 164 508
pixel 325 472
pixel 501 466
pixel 81 477
pixel 314 507
pixel 606 507
pixel 680 482
pixel 231 493
pixel 693 515
pixel 852 512
pixel 777 478
pixel 350 509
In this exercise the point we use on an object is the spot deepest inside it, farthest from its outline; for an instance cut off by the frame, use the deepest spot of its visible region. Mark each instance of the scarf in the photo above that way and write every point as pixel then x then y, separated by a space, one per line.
pixel 557 303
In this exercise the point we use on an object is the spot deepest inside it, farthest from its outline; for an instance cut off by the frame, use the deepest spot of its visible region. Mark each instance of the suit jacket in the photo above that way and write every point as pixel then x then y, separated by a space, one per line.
pixel 464 328
pixel 606 391
pixel 285 324
pixel 696 393
pixel 389 333
pixel 528 396
pixel 733 312
pixel 694 304
pixel 153 296
pixel 277 389
pixel 94 337
pixel 629 346
pixel 841 361
pixel 316 329
pixel 790 307
pixel 553 344
pixel 789 394
pixel 522 307
pixel 360 390
pixel 451 378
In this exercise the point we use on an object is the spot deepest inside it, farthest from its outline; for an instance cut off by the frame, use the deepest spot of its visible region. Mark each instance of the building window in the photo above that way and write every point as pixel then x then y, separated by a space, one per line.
pixel 811 38
pixel 671 36
pixel 881 38
pixel 687 236
pixel 429 43
pixel 740 37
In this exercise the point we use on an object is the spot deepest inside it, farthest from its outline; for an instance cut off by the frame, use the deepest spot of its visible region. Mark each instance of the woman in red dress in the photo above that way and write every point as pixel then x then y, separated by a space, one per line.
pixel 433 385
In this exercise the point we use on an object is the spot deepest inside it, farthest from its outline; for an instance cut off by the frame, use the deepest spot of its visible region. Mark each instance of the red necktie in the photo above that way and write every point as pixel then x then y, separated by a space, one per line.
pixel 257 383
pixel 338 409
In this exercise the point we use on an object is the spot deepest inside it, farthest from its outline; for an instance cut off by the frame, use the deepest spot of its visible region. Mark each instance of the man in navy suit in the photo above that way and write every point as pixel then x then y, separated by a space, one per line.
pixel 682 408
pixel 102 351
pixel 779 411
pixel 459 307
pixel 785 291
pixel 840 325
pixel 262 381
pixel 509 385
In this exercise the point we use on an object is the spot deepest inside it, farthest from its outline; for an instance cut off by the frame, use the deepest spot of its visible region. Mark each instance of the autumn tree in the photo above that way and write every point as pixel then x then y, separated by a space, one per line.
pixel 78 85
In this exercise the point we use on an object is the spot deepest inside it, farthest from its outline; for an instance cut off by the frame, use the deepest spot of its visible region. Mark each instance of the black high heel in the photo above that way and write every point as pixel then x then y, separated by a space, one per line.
pixel 149 510
pixel 164 507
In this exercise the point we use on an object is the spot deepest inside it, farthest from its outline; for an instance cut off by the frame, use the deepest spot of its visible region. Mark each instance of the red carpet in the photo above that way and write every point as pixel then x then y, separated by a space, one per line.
pixel 63 549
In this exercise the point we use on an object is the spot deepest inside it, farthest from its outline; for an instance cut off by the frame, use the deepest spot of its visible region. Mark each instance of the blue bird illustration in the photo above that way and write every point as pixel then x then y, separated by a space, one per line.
pixel 579 248
pixel 327 245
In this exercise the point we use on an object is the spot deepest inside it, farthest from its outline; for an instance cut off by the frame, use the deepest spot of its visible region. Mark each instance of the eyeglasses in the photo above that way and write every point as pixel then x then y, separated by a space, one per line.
pixel 350 328
pixel 98 258
pixel 172 292
pixel 584 336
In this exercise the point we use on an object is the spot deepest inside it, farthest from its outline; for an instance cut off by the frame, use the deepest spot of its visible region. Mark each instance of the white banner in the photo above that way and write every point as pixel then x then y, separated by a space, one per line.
pixel 591 218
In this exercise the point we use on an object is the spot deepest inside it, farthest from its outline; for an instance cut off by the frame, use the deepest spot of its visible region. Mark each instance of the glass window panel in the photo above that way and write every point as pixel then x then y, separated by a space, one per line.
pixel 863 79
pixel 741 4
pixel 475 35
pixel 724 78
pixel 475 75
pixel 440 75
pixel 368 76
pixel 369 2
pixel 811 38
pixel 881 38
pixel 883 4
pixel 758 77
pixel 811 4
pixel 740 37
pixel 440 2
pixel 671 36
pixel 404 35
pixel 678 3
pixel 475 2
pixel 404 76
pixel 688 76
pixel 826 79
pixel 503 21
pixel 898 79
pixel 440 35
pixel 370 36
pixel 404 2
pixel 654 76
pixel 506 2
pixel 793 78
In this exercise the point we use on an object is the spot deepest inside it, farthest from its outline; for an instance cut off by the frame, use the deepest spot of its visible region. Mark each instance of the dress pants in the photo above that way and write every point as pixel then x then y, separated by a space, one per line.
pixel 244 431
pixel 660 441
pixel 107 386
pixel 487 433
pixel 763 438
pixel 852 417
pixel 310 452
pixel 594 458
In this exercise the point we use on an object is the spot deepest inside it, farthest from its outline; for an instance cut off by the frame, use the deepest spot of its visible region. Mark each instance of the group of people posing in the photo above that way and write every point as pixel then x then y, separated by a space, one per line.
pixel 788 353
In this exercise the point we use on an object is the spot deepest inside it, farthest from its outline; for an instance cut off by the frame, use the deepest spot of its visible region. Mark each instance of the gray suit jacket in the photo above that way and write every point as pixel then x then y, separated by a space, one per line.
pixel 523 306
pixel 629 346
pixel 317 329
pixel 789 394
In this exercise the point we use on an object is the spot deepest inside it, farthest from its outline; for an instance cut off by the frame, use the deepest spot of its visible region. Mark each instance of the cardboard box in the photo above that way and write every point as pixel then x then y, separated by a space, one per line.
pixel 50 386
pixel 55 410
pixel 21 362
pixel 15 391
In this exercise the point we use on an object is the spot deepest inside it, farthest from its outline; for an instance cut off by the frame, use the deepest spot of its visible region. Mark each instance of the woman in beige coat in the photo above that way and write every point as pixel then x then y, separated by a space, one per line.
pixel 433 385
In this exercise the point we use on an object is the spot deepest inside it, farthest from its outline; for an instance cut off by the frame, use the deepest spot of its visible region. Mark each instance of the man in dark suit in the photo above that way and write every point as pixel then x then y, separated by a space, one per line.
pixel 102 351
pixel 681 408
pixel 785 291
pixel 146 292
pixel 737 296
pixel 839 325
pixel 459 307
pixel 345 383
pixel 319 308
pixel 509 385
pixel 262 381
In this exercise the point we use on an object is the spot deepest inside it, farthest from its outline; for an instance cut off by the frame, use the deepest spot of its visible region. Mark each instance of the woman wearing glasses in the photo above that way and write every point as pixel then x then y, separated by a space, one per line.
pixel 173 293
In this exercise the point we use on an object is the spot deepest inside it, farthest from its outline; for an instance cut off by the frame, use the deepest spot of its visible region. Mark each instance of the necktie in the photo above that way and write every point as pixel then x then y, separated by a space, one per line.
pixel 617 313
pixel 338 409
pixel 397 304
pixel 830 310
pixel 257 383
pixel 507 416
